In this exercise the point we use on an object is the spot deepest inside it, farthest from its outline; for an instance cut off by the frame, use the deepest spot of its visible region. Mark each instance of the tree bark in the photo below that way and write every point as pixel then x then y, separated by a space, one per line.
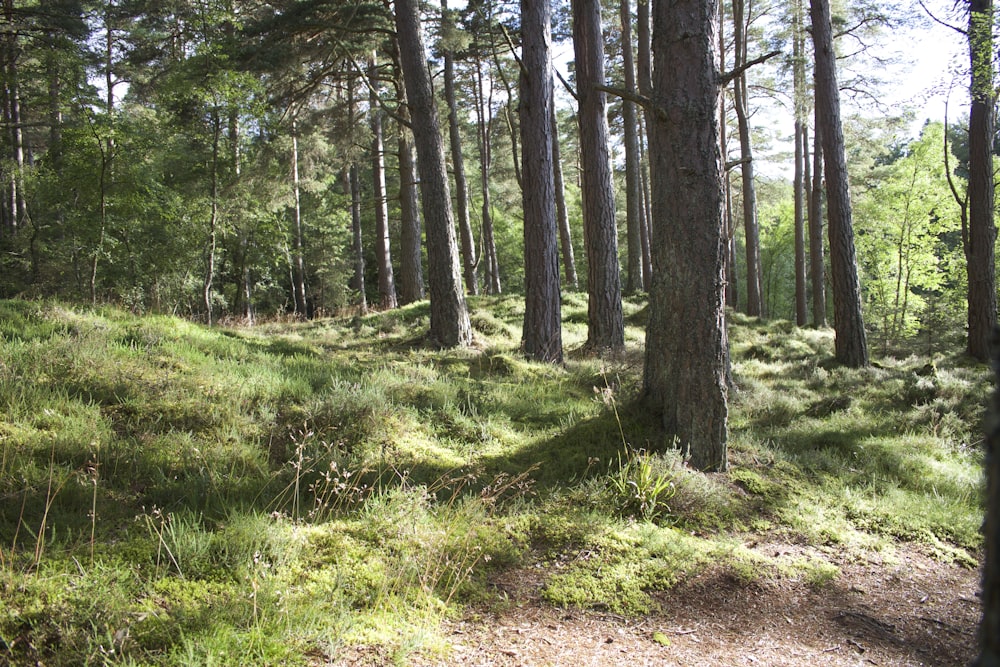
pixel 358 251
pixel 298 260
pixel 732 277
pixel 850 341
pixel 562 215
pixel 647 258
pixel 801 300
pixel 352 187
pixel 989 626
pixel 644 84
pixel 633 194
pixel 542 331
pixel 800 180
pixel 687 349
pixel 9 52
pixel 383 252
pixel 484 123
pixel 449 316
pixel 244 301
pixel 53 74
pixel 980 258
pixel 754 305
pixel 605 326
pixel 817 267
pixel 411 279
pixel 469 261
pixel 213 219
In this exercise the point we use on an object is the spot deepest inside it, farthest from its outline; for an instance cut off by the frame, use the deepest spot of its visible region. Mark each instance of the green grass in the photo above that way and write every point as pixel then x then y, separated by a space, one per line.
pixel 172 494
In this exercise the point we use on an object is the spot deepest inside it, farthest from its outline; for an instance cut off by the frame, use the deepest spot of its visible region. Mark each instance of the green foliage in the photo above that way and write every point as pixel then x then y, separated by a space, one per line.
pixel 776 219
pixel 909 240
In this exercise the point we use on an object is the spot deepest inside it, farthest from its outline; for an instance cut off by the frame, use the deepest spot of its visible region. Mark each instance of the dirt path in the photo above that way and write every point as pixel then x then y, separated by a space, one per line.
pixel 913 611
pixel 909 611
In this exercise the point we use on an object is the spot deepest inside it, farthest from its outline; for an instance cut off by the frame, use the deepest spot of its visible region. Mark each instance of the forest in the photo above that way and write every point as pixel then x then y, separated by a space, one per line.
pixel 364 333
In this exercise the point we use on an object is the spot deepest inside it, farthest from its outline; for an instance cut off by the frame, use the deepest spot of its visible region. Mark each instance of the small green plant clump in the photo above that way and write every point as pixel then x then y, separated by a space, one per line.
pixel 641 487
pixel 173 494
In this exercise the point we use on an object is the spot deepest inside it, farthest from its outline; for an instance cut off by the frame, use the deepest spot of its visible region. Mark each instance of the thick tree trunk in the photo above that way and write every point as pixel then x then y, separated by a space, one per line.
pixel 605 326
pixel 411 270
pixel 469 261
pixel 687 349
pixel 633 193
pixel 754 305
pixel 980 258
pixel 383 252
pixel 542 333
pixel 817 268
pixel 851 341
pixel 449 316
pixel 562 215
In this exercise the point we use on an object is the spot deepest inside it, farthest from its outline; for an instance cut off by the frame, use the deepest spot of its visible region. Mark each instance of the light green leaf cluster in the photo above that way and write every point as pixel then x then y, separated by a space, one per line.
pixel 908 230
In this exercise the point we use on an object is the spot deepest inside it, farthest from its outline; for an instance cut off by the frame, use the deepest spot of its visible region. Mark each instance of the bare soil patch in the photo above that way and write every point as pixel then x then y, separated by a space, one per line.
pixel 906 610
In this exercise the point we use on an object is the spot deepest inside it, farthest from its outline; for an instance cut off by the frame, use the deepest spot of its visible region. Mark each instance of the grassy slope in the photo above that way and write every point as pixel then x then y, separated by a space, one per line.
pixel 171 494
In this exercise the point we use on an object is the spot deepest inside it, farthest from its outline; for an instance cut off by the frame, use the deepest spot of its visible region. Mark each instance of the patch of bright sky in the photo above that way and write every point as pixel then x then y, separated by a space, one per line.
pixel 922 66
pixel 933 65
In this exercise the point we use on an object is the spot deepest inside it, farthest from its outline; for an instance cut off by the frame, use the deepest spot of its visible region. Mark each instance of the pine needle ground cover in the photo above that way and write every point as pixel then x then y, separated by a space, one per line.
pixel 172 494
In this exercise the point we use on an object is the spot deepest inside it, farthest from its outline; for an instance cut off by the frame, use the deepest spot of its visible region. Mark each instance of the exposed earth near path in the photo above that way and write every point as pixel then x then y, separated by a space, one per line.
pixel 905 610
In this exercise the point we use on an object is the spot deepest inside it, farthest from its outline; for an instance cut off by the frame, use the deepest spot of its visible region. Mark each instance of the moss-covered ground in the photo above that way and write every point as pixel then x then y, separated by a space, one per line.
pixel 172 494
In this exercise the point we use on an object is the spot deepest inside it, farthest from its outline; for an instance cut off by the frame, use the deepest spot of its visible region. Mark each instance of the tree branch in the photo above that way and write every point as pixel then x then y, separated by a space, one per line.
pixel 940 22
pixel 860 24
pixel 727 78
pixel 567 86
pixel 635 98
pixel 732 164
pixel 513 49
pixel 392 113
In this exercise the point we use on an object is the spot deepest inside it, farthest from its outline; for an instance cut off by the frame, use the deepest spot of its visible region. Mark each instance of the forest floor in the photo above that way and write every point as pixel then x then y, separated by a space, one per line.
pixel 333 493
pixel 907 609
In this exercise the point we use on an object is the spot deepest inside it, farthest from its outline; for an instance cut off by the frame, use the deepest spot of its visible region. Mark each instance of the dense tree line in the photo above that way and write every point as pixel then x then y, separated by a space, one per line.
pixel 236 158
